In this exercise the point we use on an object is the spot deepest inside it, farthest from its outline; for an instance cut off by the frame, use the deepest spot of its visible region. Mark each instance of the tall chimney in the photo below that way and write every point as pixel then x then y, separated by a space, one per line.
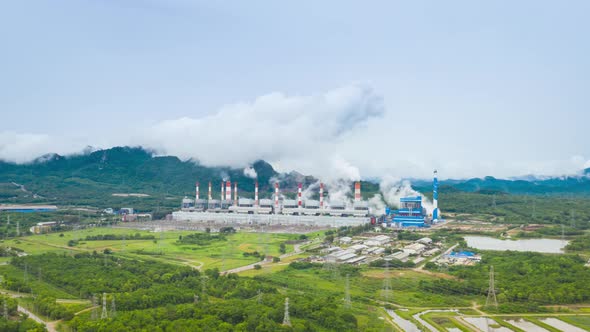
pixel 210 196
pixel 435 197
pixel 321 195
pixel 256 193
pixel 276 197
pixel 228 191
pixel 299 205
pixel 236 193
pixel 197 194
pixel 357 191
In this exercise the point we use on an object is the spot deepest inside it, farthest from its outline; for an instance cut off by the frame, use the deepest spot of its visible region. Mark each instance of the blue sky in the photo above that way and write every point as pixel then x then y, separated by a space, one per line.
pixel 394 88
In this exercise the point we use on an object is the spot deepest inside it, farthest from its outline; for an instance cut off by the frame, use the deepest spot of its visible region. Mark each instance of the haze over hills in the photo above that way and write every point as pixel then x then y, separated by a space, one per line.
pixel 100 174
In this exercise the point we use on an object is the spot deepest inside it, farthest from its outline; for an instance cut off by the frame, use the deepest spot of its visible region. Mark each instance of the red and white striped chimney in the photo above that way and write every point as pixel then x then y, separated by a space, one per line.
pixel 236 193
pixel 256 193
pixel 222 192
pixel 357 191
pixel 210 196
pixel 299 196
pixel 321 195
pixel 277 196
pixel 197 192
pixel 228 191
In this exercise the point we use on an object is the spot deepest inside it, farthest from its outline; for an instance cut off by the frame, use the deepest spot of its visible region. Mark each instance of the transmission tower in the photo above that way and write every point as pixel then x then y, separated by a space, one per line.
pixel 491 300
pixel 259 297
pixel 562 233
pixel 6 308
pixel 8 223
pixel 494 202
pixel 203 287
pixel 113 307
pixel 195 298
pixel 286 319
pixel 104 313
pixel 347 303
pixel 17 228
pixel 25 276
pixel 94 314
pixel 572 213
pixel 386 282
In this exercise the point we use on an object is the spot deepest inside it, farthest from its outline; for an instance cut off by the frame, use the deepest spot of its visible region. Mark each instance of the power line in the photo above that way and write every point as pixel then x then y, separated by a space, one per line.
pixel 347 303
pixel 491 299
pixel 286 318
pixel 104 313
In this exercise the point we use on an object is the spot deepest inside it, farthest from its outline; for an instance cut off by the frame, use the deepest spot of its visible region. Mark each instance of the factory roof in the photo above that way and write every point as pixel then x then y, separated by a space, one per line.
pixel 18 207
pixel 356 259
pixel 398 255
pixel 361 204
pixel 411 199
pixel 358 247
pixel 381 238
pixel 245 201
pixel 266 201
pixel 289 202
pixel 337 204
pixel 312 203
pixel 425 240
pixel 346 257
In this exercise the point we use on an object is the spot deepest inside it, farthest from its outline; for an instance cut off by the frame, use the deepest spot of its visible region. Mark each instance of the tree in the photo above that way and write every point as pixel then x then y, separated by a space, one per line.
pixel 282 248
pixel 257 267
pixel 276 259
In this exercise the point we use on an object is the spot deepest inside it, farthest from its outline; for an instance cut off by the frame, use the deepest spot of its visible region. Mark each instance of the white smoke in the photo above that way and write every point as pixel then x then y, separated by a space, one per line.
pixel 250 172
pixel 342 169
pixel 393 189
pixel 376 205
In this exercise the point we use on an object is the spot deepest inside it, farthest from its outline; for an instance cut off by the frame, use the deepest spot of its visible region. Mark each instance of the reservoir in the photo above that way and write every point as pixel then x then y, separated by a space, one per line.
pixel 551 246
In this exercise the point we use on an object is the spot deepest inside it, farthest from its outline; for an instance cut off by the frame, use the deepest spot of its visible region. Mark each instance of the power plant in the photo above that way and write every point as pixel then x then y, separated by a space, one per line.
pixel 276 205
pixel 411 212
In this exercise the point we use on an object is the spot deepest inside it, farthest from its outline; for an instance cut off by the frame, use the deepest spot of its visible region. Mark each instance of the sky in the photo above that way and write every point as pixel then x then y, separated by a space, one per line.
pixel 354 89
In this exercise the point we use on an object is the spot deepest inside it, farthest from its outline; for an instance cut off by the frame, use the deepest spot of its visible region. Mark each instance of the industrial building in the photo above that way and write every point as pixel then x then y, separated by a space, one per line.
pixel 411 212
pixel 190 208
pixel 27 208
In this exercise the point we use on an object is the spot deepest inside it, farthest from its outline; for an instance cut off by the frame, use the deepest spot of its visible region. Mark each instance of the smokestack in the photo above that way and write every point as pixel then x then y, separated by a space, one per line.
pixel 236 193
pixel 222 192
pixel 357 191
pixel 299 196
pixel 256 193
pixel 228 191
pixel 321 195
pixel 276 197
pixel 197 194
pixel 210 196
pixel 435 197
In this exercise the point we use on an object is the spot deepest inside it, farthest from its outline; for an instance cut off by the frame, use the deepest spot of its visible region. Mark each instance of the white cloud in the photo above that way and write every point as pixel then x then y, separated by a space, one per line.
pixel 25 147
pixel 345 133
pixel 292 130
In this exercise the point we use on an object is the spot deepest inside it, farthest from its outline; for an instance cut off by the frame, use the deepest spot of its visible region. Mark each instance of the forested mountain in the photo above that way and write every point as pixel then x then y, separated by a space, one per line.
pixel 117 170
pixel 93 177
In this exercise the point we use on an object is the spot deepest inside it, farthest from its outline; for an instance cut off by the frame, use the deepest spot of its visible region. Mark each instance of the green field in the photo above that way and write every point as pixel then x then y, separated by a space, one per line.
pixel 223 254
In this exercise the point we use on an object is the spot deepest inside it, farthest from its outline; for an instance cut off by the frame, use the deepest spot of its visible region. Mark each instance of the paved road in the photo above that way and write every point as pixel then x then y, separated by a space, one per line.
pixel 50 327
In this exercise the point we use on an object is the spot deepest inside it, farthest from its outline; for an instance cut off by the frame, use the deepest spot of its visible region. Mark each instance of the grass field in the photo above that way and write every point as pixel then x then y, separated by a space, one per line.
pixel 221 254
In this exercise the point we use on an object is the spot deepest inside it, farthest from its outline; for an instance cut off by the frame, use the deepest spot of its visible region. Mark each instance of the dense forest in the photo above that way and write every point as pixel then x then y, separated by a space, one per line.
pixel 167 297
pixel 522 279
